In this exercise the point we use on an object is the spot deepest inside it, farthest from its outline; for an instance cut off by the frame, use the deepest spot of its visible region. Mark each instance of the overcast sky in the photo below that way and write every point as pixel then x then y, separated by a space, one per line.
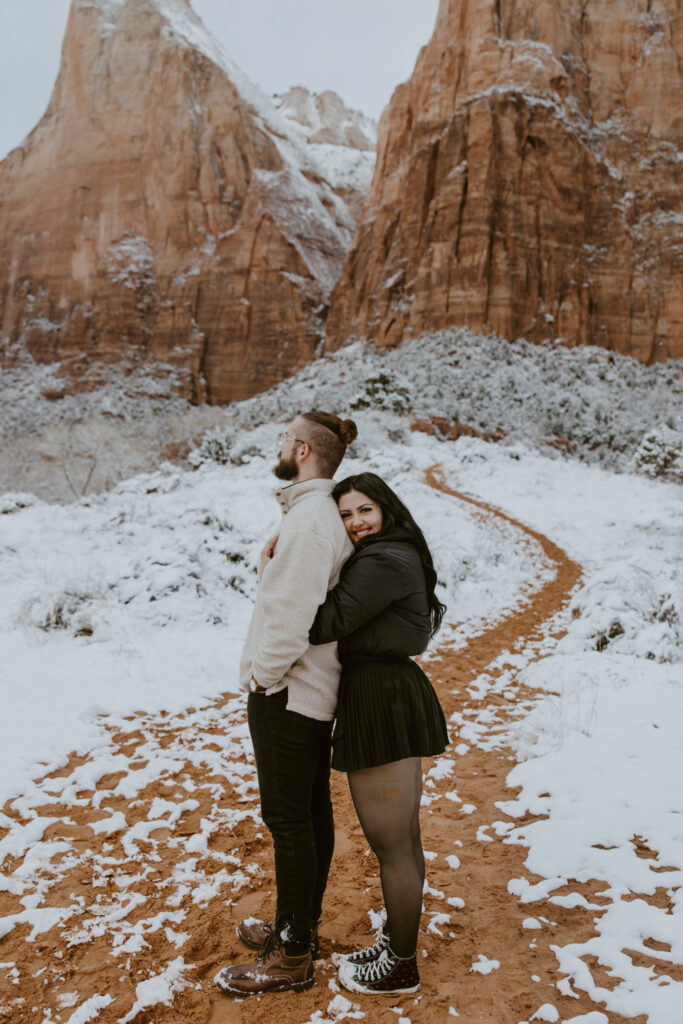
pixel 360 48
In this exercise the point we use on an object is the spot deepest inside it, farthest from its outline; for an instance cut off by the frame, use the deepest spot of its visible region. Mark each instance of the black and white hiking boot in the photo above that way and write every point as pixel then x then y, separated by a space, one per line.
pixel 386 975
pixel 364 956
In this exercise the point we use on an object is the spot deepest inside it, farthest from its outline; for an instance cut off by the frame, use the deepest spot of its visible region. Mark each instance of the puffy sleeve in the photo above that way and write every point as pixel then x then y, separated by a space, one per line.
pixel 368 586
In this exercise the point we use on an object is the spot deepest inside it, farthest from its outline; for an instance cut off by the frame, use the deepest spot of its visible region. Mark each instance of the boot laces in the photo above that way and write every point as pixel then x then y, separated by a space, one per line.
pixel 270 945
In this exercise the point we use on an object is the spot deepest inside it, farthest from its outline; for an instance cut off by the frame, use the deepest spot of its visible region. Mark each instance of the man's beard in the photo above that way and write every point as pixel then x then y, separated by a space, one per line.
pixel 286 469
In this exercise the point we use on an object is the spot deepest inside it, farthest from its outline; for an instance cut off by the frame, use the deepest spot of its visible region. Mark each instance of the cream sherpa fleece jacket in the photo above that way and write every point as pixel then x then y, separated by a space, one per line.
pixel 311 549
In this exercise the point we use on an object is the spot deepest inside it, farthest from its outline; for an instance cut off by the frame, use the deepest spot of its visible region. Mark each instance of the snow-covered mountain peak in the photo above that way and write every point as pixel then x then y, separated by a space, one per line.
pixel 297 117
pixel 325 118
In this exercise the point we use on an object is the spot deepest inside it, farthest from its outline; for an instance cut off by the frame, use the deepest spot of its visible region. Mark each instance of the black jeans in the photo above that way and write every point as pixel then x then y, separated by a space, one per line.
pixel 293 763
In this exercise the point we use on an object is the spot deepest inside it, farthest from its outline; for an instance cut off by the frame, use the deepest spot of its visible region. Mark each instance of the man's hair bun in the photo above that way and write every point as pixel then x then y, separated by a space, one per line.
pixel 328 436
pixel 348 431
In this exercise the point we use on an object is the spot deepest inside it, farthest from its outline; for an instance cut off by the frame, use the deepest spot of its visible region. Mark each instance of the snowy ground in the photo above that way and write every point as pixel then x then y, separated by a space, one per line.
pixel 138 600
pixel 601 752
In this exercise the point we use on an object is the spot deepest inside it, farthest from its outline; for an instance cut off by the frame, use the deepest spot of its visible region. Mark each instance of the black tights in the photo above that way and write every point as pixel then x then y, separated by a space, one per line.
pixel 387 802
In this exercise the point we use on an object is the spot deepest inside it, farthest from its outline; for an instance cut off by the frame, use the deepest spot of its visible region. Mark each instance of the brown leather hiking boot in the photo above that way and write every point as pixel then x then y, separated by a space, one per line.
pixel 271 971
pixel 254 933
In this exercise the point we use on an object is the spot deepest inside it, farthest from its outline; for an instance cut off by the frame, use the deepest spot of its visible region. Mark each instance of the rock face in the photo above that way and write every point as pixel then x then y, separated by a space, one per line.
pixel 324 118
pixel 163 210
pixel 528 181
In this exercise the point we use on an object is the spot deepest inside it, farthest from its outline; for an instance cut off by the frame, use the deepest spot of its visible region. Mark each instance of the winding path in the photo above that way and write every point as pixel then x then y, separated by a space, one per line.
pixel 129 855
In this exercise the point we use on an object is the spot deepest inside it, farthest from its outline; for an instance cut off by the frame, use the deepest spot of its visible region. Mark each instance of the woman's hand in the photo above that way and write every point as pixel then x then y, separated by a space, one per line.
pixel 267 553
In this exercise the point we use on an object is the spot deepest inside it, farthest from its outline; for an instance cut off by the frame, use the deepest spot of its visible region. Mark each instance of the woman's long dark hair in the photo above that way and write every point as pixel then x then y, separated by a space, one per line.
pixel 395 514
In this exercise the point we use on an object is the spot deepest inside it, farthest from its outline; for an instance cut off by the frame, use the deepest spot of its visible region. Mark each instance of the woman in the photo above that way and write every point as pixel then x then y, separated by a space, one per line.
pixel 383 611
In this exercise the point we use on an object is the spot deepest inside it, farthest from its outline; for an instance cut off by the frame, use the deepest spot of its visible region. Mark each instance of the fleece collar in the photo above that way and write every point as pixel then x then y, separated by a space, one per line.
pixel 289 495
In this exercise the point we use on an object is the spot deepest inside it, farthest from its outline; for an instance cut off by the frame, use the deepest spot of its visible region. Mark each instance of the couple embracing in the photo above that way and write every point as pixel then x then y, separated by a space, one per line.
pixel 346 597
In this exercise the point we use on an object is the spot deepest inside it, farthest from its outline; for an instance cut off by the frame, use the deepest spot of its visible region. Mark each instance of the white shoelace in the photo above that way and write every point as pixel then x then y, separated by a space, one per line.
pixel 372 952
pixel 377 969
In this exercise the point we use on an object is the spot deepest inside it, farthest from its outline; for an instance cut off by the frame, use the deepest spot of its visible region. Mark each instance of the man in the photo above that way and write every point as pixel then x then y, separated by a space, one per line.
pixel 292 703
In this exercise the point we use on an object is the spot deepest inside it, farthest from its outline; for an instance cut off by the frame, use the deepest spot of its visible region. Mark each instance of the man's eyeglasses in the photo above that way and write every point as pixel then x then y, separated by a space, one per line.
pixel 283 438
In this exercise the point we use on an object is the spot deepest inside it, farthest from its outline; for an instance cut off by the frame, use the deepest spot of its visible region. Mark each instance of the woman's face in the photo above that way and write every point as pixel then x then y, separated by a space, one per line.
pixel 361 516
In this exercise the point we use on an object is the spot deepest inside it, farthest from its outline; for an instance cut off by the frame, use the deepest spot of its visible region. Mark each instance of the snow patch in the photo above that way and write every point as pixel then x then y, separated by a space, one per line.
pixel 483 965
pixel 90 1009
pixel 161 988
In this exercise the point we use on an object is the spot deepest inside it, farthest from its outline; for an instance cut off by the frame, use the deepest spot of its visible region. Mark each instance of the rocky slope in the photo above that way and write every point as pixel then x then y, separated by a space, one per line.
pixel 528 181
pixel 343 141
pixel 163 210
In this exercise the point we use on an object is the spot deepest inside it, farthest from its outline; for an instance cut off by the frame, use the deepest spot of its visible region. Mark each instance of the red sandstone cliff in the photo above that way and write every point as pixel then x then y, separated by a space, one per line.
pixel 528 181
pixel 164 210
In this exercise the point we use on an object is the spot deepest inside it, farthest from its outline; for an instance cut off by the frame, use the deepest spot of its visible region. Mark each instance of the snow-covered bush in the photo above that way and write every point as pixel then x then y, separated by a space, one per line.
pixel 386 391
pixel 660 454
pixel 623 610
pixel 34 395
pixel 596 403
pixel 13 502
pixel 377 431
pixel 70 609
pixel 258 443
pixel 168 559
pixel 61 448
pixel 215 446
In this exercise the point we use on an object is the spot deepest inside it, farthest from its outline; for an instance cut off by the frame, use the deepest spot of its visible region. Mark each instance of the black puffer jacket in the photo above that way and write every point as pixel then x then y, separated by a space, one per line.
pixel 379 608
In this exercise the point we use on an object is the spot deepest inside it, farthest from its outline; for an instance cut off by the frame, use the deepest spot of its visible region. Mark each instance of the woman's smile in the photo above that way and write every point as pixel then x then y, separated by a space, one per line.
pixel 360 515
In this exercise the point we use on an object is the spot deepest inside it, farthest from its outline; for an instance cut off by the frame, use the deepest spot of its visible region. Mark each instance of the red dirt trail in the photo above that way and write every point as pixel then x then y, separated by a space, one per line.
pixel 58 977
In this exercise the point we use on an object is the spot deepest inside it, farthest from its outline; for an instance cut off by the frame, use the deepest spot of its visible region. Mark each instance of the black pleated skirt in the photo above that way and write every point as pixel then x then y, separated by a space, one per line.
pixel 386 711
